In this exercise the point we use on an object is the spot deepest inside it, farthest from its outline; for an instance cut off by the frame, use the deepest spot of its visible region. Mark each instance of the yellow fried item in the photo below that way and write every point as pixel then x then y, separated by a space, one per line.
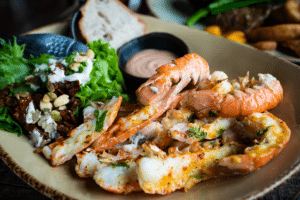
pixel 214 29
pixel 237 36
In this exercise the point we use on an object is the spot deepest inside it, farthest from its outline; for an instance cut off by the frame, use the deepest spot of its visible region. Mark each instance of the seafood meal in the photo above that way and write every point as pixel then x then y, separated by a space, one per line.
pixel 188 125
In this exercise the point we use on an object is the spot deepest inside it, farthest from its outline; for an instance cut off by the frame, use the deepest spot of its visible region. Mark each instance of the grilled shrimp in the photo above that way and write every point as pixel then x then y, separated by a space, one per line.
pixel 173 77
pixel 157 95
pixel 240 98
pixel 201 129
pixel 159 173
pixel 82 136
pixel 273 135
pixel 109 171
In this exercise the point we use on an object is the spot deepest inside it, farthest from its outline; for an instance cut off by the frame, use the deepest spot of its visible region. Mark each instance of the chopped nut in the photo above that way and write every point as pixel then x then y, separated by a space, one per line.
pixel 50 87
pixel 90 54
pixel 23 93
pixel 29 80
pixel 61 100
pixel 80 58
pixel 74 66
pixel 46 99
pixel 46 107
pixel 62 107
pixel 56 115
pixel 17 96
pixel 52 96
pixel 36 116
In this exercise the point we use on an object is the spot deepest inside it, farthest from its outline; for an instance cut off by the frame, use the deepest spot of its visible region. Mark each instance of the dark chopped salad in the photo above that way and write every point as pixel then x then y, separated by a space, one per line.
pixel 44 97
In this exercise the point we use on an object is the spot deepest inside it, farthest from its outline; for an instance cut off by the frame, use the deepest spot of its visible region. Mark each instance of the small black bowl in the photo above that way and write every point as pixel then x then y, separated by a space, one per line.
pixel 156 40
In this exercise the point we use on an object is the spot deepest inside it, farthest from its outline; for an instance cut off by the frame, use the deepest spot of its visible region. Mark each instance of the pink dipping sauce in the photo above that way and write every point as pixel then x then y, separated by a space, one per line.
pixel 144 63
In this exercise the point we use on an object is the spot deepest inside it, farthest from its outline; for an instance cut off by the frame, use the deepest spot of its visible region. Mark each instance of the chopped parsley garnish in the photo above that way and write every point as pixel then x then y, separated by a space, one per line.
pixel 200 176
pixel 220 131
pixel 100 120
pixel 212 114
pixel 122 164
pixel 191 116
pixel 263 131
pixel 196 132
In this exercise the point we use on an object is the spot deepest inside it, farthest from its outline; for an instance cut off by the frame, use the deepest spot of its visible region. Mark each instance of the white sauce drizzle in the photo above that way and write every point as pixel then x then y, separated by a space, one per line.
pixel 59 75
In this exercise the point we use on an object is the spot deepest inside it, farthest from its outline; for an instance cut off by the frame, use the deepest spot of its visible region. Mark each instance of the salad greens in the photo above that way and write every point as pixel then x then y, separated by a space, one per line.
pixel 7 123
pixel 106 79
pixel 13 67
pixel 221 6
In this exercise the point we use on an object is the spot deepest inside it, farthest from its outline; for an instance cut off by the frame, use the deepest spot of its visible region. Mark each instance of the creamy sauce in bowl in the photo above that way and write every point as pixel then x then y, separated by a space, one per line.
pixel 144 63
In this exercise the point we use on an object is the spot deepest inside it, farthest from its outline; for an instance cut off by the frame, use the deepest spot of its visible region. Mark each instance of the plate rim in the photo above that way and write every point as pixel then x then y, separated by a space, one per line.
pixel 52 193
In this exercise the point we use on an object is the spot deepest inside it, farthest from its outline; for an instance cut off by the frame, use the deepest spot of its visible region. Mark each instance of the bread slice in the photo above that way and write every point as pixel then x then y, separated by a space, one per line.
pixel 111 21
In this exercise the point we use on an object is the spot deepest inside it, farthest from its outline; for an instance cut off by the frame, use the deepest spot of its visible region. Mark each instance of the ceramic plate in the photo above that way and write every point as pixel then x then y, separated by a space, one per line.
pixel 234 59
pixel 178 11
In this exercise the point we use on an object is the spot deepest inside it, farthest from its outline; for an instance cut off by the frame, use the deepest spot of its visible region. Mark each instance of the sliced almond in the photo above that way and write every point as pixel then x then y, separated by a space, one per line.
pixel 46 107
pixel 90 54
pixel 46 99
pixel 61 100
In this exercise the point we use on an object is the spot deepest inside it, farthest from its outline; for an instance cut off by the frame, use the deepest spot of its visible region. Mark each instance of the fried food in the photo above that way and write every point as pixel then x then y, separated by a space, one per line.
pixel 294 45
pixel 289 13
pixel 81 137
pixel 265 45
pixel 280 32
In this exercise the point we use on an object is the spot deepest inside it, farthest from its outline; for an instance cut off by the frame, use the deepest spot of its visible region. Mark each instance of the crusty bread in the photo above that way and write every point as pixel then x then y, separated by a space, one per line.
pixel 111 21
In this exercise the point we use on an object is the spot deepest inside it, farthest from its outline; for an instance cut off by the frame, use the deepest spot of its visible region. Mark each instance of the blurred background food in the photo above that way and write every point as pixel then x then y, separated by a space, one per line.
pixel 273 25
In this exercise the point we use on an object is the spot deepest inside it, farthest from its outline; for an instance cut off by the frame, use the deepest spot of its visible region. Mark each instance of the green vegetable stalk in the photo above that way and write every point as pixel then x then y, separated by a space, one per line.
pixel 221 6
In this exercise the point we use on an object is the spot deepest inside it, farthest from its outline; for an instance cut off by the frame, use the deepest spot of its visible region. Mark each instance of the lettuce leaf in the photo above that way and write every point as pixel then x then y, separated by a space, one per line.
pixel 7 123
pixel 42 59
pixel 13 67
pixel 106 78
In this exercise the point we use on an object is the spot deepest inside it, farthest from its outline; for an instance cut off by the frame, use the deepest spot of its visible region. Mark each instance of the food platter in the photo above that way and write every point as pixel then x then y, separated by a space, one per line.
pixel 178 11
pixel 221 54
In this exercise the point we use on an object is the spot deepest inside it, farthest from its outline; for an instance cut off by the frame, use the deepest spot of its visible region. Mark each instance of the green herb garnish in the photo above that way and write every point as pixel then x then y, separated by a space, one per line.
pixel 122 164
pixel 220 131
pixel 199 176
pixel 263 131
pixel 196 132
pixel 100 120
pixel 191 116
pixel 212 114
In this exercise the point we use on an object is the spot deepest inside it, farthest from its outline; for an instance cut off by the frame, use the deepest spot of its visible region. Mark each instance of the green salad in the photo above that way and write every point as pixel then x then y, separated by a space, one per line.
pixel 106 79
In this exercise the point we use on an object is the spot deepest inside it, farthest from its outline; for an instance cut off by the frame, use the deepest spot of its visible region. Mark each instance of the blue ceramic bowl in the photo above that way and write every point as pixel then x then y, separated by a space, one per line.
pixel 156 40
